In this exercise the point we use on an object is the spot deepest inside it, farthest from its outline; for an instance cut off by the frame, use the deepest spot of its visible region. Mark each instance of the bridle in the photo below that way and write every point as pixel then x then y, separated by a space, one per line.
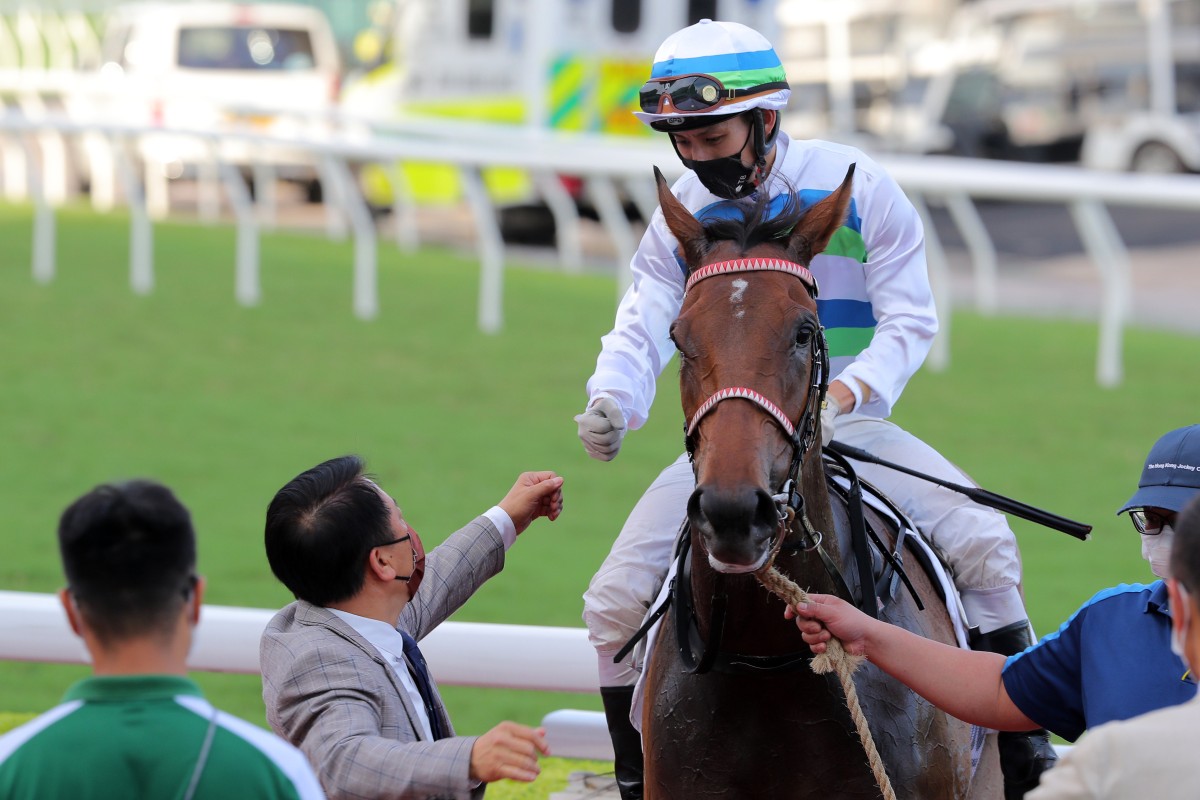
pixel 789 503
pixel 802 434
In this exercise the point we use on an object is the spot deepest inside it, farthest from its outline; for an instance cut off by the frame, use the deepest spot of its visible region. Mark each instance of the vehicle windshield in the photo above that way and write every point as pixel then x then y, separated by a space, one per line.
pixel 245 48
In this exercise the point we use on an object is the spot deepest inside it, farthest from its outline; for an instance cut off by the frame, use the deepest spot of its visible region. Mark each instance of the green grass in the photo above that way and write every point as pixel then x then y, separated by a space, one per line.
pixel 225 404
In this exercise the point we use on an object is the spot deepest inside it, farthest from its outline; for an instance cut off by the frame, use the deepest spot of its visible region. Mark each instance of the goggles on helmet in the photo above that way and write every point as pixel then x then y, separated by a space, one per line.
pixel 689 94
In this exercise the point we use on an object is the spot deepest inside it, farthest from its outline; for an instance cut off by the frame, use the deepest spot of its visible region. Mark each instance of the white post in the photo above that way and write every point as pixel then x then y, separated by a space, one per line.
pixel 265 194
pixel 566 219
pixel 141 241
pixel 404 208
pixel 43 223
pixel 101 169
pixel 980 246
pixel 491 251
pixel 1103 243
pixel 247 286
pixel 366 279
pixel 335 199
pixel 16 176
pixel 612 216
pixel 158 191
pixel 939 282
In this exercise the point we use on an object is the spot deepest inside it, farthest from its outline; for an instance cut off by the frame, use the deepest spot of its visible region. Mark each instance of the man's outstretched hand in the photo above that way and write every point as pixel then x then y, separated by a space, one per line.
pixel 535 494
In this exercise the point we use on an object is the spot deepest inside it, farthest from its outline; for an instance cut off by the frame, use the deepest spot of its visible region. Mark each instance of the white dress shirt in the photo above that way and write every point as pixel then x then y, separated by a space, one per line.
pixel 387 640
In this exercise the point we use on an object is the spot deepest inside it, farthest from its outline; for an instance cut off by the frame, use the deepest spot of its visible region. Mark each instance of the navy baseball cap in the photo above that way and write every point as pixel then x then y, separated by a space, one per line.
pixel 1171 476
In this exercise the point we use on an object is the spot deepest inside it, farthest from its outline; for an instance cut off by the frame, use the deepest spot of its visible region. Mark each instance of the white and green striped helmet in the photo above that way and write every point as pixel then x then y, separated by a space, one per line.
pixel 711 69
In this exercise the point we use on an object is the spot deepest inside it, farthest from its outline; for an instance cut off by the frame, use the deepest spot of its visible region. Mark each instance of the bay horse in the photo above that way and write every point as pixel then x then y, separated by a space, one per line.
pixel 732 709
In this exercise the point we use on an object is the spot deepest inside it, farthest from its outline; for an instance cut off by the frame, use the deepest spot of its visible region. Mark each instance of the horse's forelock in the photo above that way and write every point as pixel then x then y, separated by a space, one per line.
pixel 755 223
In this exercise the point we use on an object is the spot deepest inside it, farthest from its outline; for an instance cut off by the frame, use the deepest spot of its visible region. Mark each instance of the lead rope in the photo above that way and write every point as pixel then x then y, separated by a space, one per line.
pixel 834 659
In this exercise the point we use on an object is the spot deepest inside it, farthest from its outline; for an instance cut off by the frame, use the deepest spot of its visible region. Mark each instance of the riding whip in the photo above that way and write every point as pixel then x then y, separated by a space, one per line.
pixel 999 502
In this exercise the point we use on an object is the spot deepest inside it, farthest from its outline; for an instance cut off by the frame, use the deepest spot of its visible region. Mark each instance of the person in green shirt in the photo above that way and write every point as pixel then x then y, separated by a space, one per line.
pixel 139 728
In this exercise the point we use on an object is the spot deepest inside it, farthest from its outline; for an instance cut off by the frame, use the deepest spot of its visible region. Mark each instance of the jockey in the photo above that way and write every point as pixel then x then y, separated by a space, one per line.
pixel 717 90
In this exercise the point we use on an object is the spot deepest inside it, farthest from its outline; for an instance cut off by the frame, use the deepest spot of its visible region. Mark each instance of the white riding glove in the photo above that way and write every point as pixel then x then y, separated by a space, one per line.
pixel 829 413
pixel 601 428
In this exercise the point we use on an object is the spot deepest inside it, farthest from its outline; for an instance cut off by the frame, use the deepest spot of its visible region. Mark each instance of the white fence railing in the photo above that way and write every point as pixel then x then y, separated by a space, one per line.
pixel 35 151
pixel 33 627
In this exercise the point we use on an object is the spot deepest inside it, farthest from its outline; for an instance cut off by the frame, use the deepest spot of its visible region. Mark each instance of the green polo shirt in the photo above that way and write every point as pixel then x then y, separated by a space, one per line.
pixel 142 737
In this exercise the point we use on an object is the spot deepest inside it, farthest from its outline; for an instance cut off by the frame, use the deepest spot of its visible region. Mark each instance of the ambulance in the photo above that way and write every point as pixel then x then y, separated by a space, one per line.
pixel 569 65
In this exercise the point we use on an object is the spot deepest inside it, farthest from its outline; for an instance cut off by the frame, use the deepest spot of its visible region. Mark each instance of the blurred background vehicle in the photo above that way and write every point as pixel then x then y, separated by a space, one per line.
pixel 213 67
pixel 1114 84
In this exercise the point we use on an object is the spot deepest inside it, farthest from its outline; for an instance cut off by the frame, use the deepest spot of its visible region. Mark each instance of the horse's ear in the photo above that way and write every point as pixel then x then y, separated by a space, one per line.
pixel 820 222
pixel 686 228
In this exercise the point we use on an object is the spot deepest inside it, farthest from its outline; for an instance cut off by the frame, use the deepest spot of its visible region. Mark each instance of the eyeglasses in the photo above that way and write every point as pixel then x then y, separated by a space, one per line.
pixel 393 541
pixel 1148 522
pixel 691 93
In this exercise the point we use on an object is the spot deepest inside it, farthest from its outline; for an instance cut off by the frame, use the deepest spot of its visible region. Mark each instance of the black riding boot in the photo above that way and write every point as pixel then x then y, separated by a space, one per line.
pixel 1024 755
pixel 627 742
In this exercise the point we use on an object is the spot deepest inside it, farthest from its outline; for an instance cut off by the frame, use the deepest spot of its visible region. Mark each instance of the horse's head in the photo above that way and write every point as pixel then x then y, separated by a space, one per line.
pixel 752 364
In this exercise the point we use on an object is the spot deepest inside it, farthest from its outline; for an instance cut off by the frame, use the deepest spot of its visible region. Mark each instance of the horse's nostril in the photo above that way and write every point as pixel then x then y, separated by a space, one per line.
pixel 693 505
pixel 768 512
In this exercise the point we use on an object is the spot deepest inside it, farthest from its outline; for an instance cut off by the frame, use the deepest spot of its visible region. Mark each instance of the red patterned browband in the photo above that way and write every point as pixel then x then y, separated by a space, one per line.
pixel 753 265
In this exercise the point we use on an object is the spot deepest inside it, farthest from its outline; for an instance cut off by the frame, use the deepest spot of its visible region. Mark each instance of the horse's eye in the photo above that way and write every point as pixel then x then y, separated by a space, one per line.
pixel 671 334
pixel 805 333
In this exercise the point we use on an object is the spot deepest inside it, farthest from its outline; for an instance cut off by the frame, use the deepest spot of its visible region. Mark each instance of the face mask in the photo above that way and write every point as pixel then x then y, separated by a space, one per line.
pixel 727 176
pixel 1179 636
pixel 1157 550
pixel 413 579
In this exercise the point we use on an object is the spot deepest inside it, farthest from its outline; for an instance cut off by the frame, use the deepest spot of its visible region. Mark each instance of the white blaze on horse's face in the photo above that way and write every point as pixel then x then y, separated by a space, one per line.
pixel 736 297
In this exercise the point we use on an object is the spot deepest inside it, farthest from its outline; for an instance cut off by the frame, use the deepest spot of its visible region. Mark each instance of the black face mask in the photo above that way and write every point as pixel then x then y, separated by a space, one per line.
pixel 725 177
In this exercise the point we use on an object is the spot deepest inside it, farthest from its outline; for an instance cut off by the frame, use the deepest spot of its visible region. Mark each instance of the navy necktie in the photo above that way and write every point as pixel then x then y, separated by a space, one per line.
pixel 420 673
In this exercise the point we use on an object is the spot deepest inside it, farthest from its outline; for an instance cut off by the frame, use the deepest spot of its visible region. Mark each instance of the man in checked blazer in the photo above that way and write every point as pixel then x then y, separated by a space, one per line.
pixel 342 678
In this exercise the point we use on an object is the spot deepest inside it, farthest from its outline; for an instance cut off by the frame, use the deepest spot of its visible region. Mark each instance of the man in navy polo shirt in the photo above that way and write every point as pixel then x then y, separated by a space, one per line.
pixel 1111 660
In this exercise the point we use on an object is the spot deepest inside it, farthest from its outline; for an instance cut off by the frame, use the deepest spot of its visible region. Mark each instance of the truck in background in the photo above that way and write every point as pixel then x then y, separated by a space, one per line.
pixel 1112 84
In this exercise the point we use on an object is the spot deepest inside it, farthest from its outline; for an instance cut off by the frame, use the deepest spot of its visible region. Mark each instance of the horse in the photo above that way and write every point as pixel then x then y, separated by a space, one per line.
pixel 731 708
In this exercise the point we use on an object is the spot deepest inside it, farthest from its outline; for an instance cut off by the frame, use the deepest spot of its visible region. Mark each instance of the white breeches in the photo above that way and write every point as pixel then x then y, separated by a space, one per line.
pixel 976 540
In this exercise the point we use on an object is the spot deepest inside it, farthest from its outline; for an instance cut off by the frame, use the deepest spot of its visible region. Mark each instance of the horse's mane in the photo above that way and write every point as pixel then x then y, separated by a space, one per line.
pixel 754 221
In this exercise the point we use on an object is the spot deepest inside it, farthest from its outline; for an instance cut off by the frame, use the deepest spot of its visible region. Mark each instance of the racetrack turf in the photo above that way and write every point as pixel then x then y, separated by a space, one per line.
pixel 225 404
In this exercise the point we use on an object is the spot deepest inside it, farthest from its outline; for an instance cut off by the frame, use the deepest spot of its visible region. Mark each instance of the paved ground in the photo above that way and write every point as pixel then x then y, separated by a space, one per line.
pixel 1166 286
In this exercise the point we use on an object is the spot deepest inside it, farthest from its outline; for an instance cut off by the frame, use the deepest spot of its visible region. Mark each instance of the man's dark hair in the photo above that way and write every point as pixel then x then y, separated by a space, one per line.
pixel 1185 552
pixel 320 528
pixel 129 554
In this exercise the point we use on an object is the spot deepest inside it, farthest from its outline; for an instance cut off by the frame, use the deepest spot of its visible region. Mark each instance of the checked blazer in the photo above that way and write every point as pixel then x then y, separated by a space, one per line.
pixel 329 691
